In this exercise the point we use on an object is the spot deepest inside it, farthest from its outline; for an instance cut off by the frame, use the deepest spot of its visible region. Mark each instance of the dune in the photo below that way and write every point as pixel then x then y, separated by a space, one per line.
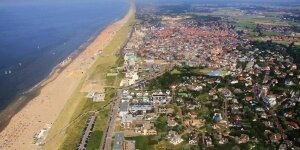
pixel 54 94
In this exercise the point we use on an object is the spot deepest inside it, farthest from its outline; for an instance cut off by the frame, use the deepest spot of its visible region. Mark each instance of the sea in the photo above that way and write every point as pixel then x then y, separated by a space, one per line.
pixel 36 35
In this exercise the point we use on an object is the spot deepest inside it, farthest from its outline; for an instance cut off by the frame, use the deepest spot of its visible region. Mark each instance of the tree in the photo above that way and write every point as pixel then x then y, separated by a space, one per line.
pixel 161 123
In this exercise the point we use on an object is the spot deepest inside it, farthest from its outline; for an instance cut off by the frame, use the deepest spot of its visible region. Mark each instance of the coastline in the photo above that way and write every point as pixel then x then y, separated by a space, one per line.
pixel 22 98
pixel 30 115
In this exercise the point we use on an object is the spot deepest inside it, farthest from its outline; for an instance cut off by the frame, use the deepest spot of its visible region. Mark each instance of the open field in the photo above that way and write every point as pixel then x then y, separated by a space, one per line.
pixel 155 143
pixel 78 104
pixel 228 12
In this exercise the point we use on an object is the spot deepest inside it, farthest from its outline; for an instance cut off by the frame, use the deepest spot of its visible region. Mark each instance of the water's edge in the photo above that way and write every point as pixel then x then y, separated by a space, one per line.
pixel 21 99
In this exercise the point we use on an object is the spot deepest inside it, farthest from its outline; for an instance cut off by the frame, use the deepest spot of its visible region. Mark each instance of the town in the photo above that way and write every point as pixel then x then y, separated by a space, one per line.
pixel 218 88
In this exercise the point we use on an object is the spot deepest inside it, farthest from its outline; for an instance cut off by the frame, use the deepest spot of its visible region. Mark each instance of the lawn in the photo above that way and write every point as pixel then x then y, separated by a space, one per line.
pixel 143 142
pixel 72 134
pixel 175 71
pixel 165 144
pixel 270 33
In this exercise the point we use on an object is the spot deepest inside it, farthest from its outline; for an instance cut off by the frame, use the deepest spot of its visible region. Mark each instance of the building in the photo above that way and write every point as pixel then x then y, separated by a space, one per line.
pixel 244 138
pixel 159 98
pixel 164 110
pixel 96 96
pixel 145 128
pixel 129 145
pixel 126 121
pixel 174 138
pixel 270 100
pixel 124 107
pixel 140 107
pixel 217 117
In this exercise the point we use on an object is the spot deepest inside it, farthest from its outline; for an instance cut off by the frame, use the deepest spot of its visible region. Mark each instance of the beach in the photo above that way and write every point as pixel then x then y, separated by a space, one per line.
pixel 54 93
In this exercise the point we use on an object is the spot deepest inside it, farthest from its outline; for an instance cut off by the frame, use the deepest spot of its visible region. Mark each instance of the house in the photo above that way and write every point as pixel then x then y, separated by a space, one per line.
pixel 270 100
pixel 248 98
pixel 149 129
pixel 171 122
pixel 207 141
pixel 159 98
pixel 217 117
pixel 234 82
pixel 164 110
pixel 128 145
pixel 145 128
pixel 293 125
pixel 289 82
pixel 193 139
pixel 174 138
pixel 126 121
pixel 244 138
pixel 275 137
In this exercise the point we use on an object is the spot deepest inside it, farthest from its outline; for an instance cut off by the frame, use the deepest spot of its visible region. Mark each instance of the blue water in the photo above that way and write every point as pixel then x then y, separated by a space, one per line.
pixel 35 35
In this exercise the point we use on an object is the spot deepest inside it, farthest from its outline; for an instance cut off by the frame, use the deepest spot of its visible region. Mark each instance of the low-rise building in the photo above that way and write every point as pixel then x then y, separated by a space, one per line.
pixel 270 100
pixel 174 138
pixel 124 107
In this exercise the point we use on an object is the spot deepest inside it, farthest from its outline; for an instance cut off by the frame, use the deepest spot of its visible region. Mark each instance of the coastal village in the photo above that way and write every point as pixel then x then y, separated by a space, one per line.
pixel 188 81
pixel 219 89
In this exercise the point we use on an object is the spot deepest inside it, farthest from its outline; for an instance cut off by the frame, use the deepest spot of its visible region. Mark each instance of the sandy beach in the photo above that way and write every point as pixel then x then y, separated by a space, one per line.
pixel 54 94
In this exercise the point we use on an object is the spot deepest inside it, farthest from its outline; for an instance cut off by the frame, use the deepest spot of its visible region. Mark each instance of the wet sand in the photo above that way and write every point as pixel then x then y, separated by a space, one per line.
pixel 54 94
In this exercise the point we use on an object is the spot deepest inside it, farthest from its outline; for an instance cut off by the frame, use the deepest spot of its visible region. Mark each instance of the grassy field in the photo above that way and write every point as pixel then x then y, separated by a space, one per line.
pixel 70 138
pixel 245 22
pixel 227 12
pixel 155 143
pixel 175 71
pixel 143 142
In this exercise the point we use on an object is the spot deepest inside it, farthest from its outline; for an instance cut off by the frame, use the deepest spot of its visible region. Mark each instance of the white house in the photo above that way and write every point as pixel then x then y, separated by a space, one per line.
pixel 270 100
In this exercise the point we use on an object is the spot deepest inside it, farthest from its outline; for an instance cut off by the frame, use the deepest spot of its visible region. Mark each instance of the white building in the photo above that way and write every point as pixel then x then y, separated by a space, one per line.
pixel 124 106
pixel 174 138
pixel 270 100
pixel 140 107
pixel 159 98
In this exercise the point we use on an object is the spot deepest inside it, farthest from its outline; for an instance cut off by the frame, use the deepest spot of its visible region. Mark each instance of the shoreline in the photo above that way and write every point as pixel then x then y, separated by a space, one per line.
pixel 23 97
pixel 23 104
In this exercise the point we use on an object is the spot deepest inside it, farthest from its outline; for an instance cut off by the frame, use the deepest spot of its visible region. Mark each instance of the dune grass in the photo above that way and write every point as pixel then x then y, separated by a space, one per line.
pixel 78 104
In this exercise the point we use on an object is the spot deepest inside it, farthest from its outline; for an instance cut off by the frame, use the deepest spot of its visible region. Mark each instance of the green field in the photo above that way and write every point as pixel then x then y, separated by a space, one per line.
pixel 157 143
pixel 143 142
pixel 175 71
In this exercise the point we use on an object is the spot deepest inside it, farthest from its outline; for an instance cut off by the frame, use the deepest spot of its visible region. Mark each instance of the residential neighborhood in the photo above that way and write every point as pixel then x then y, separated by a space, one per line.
pixel 218 88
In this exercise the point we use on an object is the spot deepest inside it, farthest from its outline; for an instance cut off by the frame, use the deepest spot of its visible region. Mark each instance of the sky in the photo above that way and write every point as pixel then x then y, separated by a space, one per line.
pixel 223 1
